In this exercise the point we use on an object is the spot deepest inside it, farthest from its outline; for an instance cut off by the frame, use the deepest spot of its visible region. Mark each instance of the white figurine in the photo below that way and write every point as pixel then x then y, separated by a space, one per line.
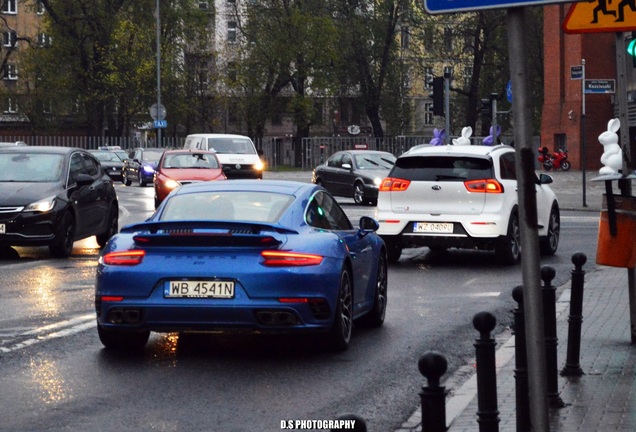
pixel 612 156
pixel 465 138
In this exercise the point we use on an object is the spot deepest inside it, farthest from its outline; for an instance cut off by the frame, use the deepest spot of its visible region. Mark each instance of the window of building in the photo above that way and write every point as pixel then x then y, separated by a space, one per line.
pixel 468 76
pixel 10 6
pixel 47 107
pixel 405 35
pixel 11 106
pixel 231 31
pixel 44 40
pixel 428 114
pixel 10 38
pixel 319 118
pixel 428 77
pixel 232 74
pixel 448 39
pixel 11 71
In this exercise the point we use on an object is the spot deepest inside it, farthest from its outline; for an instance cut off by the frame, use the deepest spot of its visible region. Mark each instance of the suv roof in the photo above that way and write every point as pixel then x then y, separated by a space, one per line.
pixel 469 150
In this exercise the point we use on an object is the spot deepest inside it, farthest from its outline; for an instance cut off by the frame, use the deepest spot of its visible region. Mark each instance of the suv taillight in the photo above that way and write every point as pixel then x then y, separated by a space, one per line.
pixel 391 184
pixel 484 186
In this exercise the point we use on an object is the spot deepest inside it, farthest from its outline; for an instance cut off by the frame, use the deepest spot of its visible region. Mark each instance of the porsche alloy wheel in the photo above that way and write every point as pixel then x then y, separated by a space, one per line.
pixel 339 335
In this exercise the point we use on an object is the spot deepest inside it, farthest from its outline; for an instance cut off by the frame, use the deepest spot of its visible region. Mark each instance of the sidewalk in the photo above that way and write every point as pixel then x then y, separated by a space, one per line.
pixel 602 399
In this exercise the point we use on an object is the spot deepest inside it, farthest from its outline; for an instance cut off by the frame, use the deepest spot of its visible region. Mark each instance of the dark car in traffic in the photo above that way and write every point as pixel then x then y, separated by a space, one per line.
pixel 111 162
pixel 53 196
pixel 141 165
pixel 355 174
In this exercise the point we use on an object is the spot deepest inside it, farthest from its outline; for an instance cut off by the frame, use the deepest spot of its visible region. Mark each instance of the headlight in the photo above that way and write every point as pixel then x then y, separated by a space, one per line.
pixel 42 206
pixel 258 166
pixel 171 184
pixel 377 181
pixel 148 169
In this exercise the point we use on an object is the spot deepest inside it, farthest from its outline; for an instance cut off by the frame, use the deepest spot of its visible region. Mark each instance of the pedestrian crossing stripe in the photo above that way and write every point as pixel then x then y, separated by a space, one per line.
pixel 601 16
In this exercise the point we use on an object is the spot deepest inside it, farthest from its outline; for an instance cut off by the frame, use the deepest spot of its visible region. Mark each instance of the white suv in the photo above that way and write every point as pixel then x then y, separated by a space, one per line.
pixel 463 197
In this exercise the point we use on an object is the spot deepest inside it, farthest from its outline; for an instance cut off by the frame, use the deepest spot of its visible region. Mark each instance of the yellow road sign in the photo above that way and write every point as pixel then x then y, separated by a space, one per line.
pixel 595 16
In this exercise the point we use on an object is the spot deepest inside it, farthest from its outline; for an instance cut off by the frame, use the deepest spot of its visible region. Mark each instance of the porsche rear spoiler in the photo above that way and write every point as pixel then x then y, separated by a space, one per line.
pixel 206 233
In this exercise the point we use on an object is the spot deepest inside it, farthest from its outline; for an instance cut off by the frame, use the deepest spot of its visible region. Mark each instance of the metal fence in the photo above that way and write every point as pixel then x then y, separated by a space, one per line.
pixel 91 143
pixel 276 152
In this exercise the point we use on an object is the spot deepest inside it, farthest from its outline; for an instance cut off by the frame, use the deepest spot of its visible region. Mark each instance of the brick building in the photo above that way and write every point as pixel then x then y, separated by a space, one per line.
pixel 561 119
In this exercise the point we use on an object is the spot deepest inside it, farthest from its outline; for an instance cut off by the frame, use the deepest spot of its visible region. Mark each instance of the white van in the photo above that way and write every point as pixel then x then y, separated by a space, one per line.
pixel 236 153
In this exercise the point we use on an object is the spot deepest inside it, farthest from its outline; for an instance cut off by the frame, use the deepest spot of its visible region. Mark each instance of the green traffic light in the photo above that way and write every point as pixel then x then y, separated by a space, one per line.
pixel 631 48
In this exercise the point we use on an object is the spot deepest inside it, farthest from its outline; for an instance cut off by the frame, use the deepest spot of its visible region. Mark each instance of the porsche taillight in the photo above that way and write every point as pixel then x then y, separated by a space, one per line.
pixel 484 186
pixel 391 184
pixel 124 258
pixel 289 259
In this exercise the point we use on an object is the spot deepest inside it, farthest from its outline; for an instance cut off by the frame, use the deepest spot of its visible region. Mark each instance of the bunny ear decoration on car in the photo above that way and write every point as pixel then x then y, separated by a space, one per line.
pixel 493 137
pixel 465 138
pixel 438 137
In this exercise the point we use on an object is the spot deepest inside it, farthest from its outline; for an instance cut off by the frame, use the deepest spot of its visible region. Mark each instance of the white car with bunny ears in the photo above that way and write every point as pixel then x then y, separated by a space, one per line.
pixel 461 196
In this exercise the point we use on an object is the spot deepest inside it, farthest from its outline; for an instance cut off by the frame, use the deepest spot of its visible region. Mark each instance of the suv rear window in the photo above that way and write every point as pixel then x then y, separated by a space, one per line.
pixel 442 168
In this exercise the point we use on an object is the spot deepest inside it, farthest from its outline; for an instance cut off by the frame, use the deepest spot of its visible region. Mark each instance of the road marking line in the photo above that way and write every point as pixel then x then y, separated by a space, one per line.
pixel 77 325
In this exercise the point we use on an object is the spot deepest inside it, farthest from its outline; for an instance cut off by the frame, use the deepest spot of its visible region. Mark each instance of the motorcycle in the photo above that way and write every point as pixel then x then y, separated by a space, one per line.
pixel 556 160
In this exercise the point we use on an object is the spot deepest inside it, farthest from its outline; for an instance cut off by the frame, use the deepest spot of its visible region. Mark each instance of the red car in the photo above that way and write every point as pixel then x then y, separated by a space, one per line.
pixel 179 167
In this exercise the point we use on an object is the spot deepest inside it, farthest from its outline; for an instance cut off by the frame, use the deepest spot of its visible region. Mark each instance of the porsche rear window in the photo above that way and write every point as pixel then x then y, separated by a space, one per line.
pixel 442 168
pixel 227 205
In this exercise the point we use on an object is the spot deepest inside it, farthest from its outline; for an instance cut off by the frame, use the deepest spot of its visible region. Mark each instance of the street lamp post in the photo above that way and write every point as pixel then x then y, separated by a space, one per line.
pixel 158 70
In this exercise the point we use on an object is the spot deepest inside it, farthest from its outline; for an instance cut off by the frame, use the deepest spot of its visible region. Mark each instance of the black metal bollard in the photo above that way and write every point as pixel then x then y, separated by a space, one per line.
pixel 433 365
pixel 572 365
pixel 522 399
pixel 550 336
pixel 487 414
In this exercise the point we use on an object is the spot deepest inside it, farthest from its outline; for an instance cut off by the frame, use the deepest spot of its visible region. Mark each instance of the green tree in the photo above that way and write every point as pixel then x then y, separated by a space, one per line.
pixel 287 51
pixel 103 59
pixel 369 62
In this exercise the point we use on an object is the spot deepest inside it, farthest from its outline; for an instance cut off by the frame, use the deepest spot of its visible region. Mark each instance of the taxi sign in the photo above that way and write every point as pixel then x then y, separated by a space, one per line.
pixel 598 16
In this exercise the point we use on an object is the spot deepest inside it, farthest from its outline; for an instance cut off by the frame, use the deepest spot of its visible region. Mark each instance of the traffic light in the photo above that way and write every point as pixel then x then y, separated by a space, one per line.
pixel 486 108
pixel 438 96
pixel 631 48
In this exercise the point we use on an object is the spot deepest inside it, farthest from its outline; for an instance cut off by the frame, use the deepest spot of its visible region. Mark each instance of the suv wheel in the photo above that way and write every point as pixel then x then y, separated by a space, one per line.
pixel 548 245
pixel 508 249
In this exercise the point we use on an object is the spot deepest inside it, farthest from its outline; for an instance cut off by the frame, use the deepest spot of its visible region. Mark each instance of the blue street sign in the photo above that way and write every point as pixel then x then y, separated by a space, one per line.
pixel 452 6
pixel 509 91
pixel 160 124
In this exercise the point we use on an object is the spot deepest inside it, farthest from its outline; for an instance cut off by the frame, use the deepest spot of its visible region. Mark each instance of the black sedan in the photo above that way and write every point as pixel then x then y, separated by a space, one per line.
pixel 355 174
pixel 53 196
pixel 111 162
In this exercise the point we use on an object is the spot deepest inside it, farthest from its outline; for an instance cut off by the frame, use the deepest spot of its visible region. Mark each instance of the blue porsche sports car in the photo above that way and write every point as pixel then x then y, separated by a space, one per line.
pixel 256 256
